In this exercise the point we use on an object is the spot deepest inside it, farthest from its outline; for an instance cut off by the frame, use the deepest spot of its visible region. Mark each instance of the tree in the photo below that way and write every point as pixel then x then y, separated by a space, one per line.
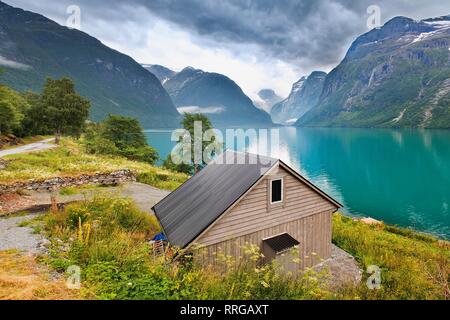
pixel 188 124
pixel 126 132
pixel 182 167
pixel 12 106
pixel 119 135
pixel 35 121
pixel 8 117
pixel 65 110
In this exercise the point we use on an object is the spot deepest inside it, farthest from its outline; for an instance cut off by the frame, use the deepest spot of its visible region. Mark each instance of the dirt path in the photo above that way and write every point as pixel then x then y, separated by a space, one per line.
pixel 15 237
pixel 144 196
pixel 32 147
pixel 12 236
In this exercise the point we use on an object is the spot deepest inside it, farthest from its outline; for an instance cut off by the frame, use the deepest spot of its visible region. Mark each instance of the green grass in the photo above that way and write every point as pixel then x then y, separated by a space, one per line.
pixel 116 261
pixel 414 265
pixel 70 160
pixel 70 191
pixel 115 258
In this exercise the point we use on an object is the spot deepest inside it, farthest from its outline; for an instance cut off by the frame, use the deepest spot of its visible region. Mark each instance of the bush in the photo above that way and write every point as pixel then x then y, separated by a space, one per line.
pixel 110 215
pixel 119 135
pixel 143 154
pixel 183 168
pixel 99 145
pixel 162 180
pixel 75 214
pixel 12 108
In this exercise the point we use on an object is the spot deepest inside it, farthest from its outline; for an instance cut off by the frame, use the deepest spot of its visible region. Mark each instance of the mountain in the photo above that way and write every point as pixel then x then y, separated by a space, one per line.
pixel 215 95
pixel 162 73
pixel 394 76
pixel 33 48
pixel 267 99
pixel 305 95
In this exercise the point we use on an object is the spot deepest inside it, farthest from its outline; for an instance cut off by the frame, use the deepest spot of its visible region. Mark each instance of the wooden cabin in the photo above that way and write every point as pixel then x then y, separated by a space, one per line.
pixel 241 199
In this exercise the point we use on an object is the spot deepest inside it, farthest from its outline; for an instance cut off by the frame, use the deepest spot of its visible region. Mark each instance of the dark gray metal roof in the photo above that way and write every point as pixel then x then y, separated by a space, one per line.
pixel 189 210
pixel 281 243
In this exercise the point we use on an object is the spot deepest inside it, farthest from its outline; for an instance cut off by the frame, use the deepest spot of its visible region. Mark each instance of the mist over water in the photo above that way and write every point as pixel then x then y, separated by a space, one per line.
pixel 399 176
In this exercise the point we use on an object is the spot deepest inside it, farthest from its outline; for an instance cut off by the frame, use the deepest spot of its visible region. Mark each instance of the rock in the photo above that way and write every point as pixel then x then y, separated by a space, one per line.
pixel 371 221
pixel 342 268
pixel 44 243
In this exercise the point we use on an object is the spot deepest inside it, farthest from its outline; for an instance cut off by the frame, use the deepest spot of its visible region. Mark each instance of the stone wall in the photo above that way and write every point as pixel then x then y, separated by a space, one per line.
pixel 52 184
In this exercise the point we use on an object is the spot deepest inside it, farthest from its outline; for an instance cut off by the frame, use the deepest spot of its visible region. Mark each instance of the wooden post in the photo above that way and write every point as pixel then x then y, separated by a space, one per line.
pixel 57 136
pixel 54 207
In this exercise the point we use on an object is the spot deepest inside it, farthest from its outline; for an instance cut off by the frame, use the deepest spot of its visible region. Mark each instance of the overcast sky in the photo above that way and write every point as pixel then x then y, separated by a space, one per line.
pixel 258 43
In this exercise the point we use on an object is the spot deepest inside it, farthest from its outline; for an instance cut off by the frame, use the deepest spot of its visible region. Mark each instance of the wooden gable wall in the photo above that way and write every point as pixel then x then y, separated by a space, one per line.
pixel 305 214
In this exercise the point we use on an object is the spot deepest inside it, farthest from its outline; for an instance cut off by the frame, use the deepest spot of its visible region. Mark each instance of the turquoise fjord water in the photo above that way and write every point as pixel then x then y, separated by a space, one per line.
pixel 399 176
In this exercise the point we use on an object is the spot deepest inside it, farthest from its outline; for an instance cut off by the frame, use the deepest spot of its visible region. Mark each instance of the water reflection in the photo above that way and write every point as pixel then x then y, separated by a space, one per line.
pixel 394 175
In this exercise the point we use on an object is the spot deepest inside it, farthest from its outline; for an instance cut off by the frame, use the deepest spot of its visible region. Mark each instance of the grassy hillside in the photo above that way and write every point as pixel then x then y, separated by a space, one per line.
pixel 70 159
pixel 413 265
pixel 116 261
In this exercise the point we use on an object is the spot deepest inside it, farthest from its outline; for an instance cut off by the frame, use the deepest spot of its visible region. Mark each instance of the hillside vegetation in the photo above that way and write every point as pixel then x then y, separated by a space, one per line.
pixel 108 240
pixel 413 265
pixel 71 159
pixel 21 278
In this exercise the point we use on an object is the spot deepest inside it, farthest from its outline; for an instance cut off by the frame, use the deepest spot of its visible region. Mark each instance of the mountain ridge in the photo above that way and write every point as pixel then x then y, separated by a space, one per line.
pixel 304 96
pixel 162 73
pixel 394 76
pixel 33 47
pixel 215 95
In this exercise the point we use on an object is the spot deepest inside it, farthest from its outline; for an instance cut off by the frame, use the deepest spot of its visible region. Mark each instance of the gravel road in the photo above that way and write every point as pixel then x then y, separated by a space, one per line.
pixel 13 237
pixel 37 146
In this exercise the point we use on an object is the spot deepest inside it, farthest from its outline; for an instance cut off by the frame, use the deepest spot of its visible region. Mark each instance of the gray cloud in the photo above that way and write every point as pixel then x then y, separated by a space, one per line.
pixel 312 32
pixel 13 64
pixel 307 34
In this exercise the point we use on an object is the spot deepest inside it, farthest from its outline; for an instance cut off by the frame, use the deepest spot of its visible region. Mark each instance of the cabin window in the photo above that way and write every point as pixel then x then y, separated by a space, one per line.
pixel 276 191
